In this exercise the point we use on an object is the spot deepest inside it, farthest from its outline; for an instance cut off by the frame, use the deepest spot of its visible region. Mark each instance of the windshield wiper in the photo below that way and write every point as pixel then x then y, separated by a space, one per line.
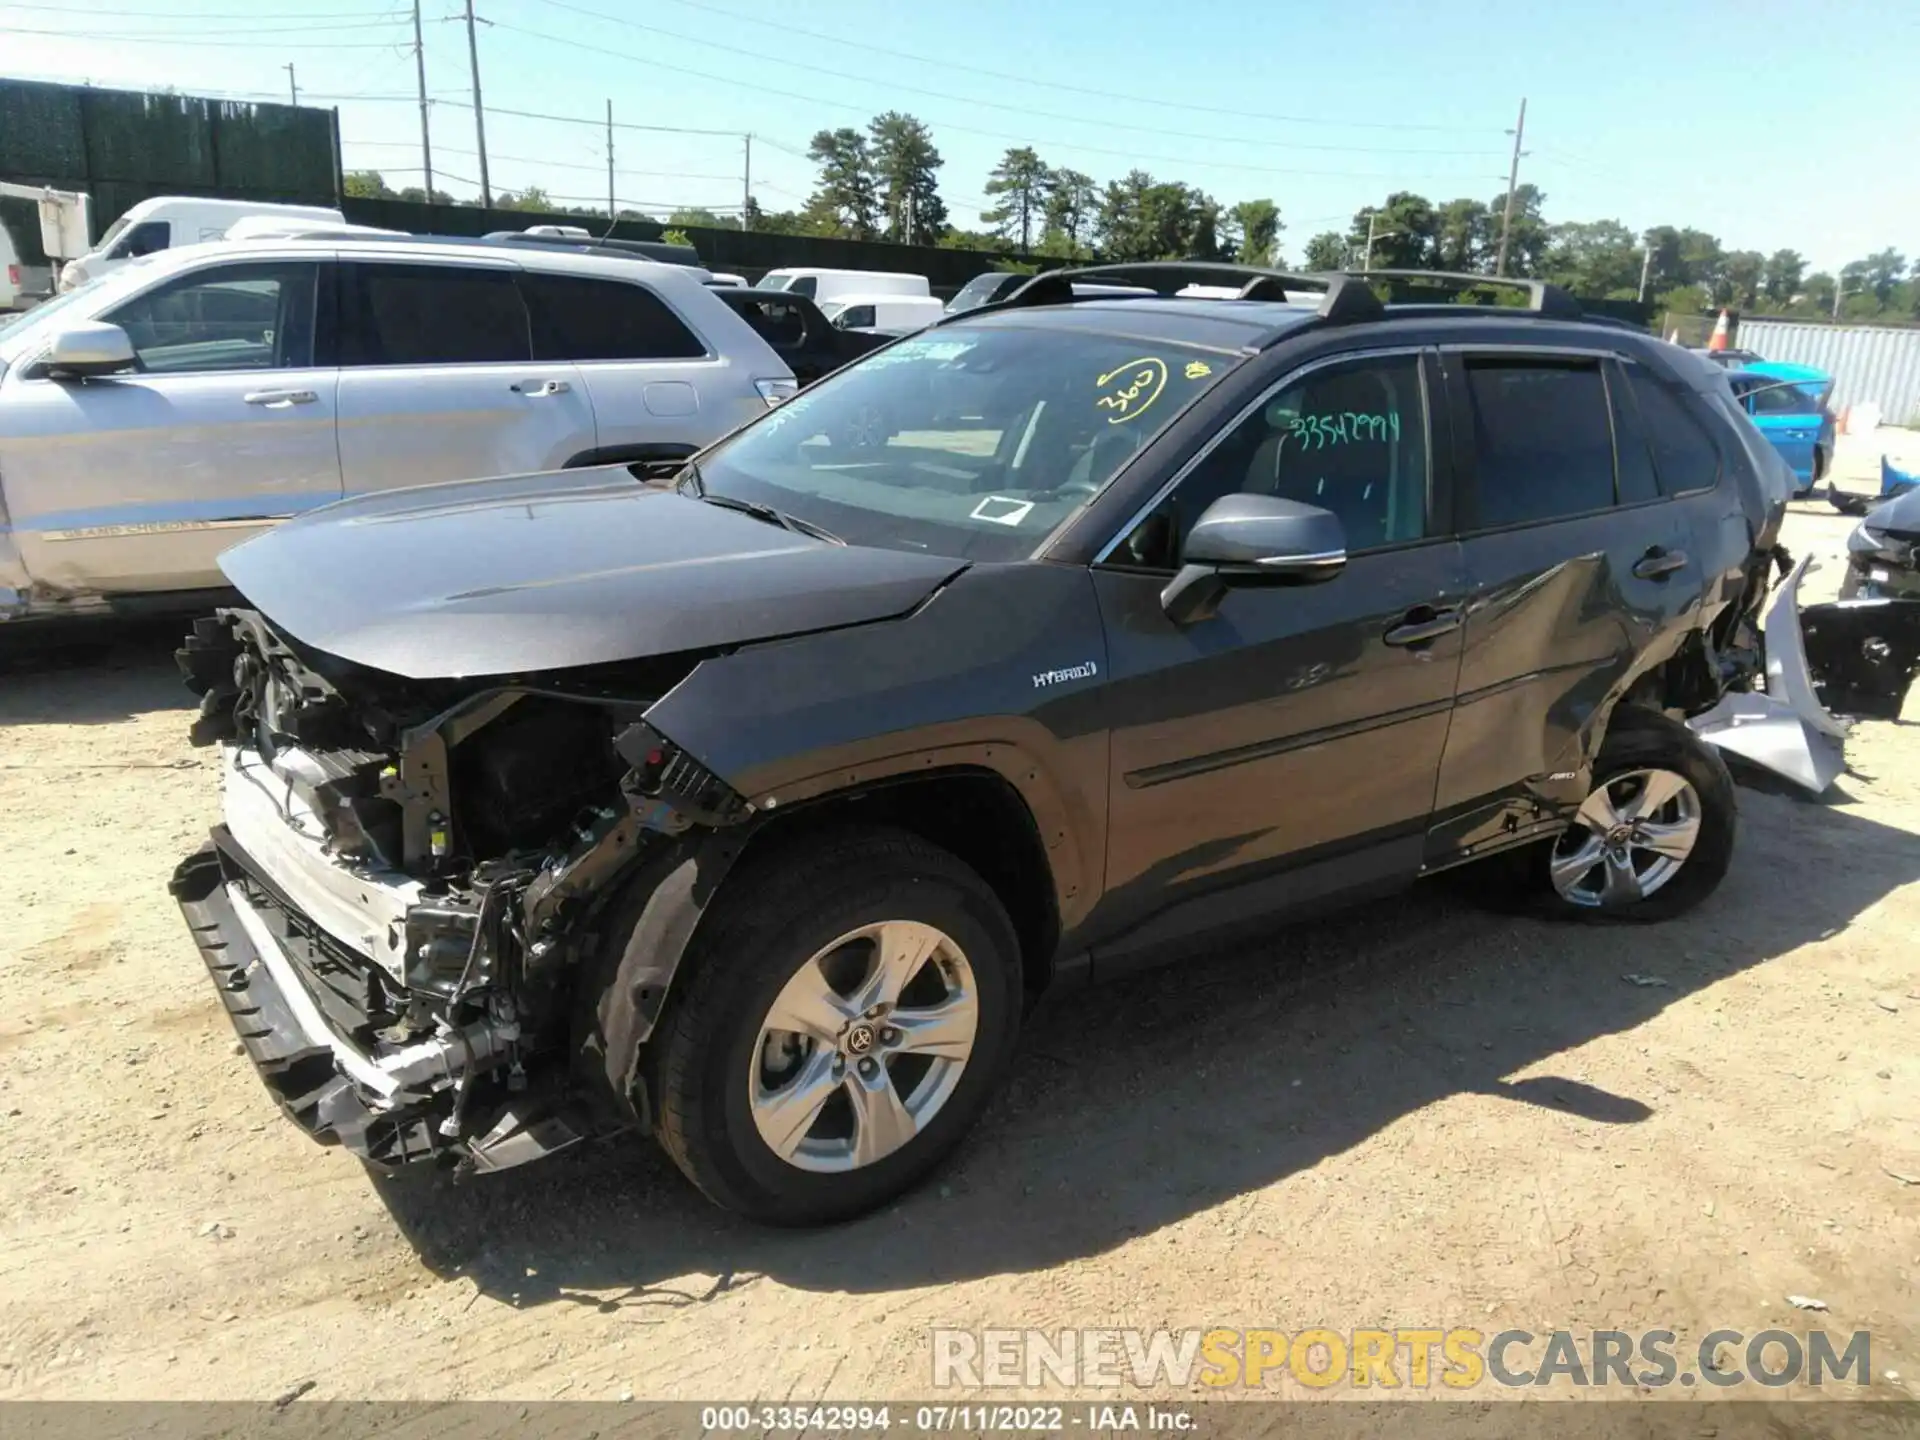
pixel 692 485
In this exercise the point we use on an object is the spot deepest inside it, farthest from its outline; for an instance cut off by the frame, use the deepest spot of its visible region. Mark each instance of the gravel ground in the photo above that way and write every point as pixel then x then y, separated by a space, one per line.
pixel 1418 1115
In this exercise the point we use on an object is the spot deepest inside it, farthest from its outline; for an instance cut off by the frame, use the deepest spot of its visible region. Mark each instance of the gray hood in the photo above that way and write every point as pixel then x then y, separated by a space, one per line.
pixel 543 572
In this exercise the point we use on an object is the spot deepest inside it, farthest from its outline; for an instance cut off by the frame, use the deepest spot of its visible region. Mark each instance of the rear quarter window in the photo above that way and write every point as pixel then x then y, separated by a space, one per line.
pixel 578 318
pixel 1684 451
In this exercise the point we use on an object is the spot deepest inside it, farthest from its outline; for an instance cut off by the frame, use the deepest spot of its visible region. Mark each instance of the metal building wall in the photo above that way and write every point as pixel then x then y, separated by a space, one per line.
pixel 1868 362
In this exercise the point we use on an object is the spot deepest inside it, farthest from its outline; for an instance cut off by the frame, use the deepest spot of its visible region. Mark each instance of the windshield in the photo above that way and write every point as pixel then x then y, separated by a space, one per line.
pixel 968 442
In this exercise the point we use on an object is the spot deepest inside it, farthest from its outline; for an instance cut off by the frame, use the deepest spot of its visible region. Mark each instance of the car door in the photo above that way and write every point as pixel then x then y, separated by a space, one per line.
pixel 1788 416
pixel 659 390
pixel 1287 746
pixel 439 382
pixel 136 481
pixel 1582 575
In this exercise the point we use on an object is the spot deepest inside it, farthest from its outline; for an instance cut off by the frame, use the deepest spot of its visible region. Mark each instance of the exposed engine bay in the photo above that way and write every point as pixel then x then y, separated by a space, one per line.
pixel 430 857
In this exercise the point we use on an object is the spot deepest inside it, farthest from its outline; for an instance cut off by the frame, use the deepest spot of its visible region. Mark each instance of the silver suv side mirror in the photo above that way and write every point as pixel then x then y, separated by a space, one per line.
pixel 1246 540
pixel 89 347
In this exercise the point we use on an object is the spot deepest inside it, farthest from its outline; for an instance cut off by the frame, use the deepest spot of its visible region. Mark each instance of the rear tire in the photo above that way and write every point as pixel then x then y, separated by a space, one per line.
pixel 898 974
pixel 1653 839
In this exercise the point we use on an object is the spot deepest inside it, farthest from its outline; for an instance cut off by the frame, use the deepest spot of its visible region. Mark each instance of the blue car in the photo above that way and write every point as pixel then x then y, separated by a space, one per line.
pixel 1789 405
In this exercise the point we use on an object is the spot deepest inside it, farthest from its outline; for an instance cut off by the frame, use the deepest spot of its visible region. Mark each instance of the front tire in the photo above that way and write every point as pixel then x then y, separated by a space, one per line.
pixel 845 1021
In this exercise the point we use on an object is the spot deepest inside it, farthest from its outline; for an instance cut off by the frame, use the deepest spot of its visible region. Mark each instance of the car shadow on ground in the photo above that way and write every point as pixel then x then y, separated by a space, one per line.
pixel 91 672
pixel 1136 1105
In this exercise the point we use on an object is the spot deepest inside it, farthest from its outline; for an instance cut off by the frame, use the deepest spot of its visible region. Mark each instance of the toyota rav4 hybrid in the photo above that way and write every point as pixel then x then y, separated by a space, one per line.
pixel 754 808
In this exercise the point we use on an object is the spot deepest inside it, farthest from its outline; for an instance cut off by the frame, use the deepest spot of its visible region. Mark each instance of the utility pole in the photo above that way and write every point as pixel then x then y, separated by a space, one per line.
pixel 293 90
pixel 611 213
pixel 479 113
pixel 1513 179
pixel 420 74
pixel 1646 265
pixel 746 186
pixel 1367 263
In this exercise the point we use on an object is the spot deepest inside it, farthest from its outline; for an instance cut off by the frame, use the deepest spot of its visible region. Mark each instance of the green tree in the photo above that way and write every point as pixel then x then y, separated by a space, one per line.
pixel 1879 273
pixel 1785 269
pixel 1528 235
pixel 1743 274
pixel 1071 205
pixel 1254 228
pixel 419 196
pixel 1404 231
pixel 1596 257
pixel 700 217
pixel 676 237
pixel 1461 236
pixel 905 163
pixel 1817 291
pixel 532 198
pixel 365 185
pixel 844 200
pixel 1664 269
pixel 1146 219
pixel 1703 262
pixel 1327 251
pixel 1021 182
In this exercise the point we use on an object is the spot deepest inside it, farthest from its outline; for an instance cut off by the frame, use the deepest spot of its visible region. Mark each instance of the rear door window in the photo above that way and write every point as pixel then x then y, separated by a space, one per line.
pixel 1542 439
pixel 576 318
pixel 435 315
pixel 1684 452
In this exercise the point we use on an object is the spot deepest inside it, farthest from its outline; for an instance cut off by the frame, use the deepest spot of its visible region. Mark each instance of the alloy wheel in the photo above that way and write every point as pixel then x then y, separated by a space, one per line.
pixel 1630 838
pixel 863 1046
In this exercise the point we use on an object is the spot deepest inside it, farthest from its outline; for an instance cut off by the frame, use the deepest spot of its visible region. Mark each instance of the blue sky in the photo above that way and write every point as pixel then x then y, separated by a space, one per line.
pixel 1770 123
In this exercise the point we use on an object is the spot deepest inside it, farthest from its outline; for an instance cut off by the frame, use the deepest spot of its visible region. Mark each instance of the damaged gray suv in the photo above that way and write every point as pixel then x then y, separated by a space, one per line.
pixel 753 805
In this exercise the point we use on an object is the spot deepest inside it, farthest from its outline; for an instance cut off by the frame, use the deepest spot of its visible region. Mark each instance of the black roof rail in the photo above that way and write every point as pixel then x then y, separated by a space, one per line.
pixel 657 250
pixel 1542 298
pixel 1346 300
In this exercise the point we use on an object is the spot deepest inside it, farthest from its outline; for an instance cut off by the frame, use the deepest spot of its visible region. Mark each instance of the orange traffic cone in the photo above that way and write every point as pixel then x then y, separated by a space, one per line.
pixel 1718 340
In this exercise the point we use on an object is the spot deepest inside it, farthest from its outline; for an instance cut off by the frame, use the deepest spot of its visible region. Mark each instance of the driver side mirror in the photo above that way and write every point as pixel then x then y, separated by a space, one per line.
pixel 86 348
pixel 1252 540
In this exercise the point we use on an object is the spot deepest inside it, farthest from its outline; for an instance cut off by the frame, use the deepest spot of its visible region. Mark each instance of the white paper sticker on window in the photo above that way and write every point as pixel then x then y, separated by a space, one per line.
pixel 1001 510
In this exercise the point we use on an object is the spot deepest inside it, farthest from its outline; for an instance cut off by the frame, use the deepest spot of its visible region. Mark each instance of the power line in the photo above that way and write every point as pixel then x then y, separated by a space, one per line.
pixel 367 15
pixel 996 104
pixel 600 124
pixel 528 159
pixel 1236 112
pixel 1054 144
pixel 196 42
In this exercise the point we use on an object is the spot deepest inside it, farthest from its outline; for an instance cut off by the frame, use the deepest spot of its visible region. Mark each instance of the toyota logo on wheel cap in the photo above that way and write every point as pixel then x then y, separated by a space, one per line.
pixel 860 1040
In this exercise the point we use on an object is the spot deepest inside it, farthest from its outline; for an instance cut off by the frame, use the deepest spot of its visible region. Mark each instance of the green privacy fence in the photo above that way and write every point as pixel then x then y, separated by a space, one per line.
pixel 123 146
pixel 750 253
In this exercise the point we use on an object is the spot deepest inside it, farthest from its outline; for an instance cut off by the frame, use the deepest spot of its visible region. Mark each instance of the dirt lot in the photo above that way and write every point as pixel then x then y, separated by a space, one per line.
pixel 1421 1115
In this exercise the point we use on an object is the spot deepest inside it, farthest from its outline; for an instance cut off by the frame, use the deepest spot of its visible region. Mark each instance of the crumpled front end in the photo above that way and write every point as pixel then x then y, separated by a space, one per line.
pixel 404 897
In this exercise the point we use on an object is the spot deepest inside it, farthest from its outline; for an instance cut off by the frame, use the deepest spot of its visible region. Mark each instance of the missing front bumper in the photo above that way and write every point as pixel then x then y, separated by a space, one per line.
pixel 317 1074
